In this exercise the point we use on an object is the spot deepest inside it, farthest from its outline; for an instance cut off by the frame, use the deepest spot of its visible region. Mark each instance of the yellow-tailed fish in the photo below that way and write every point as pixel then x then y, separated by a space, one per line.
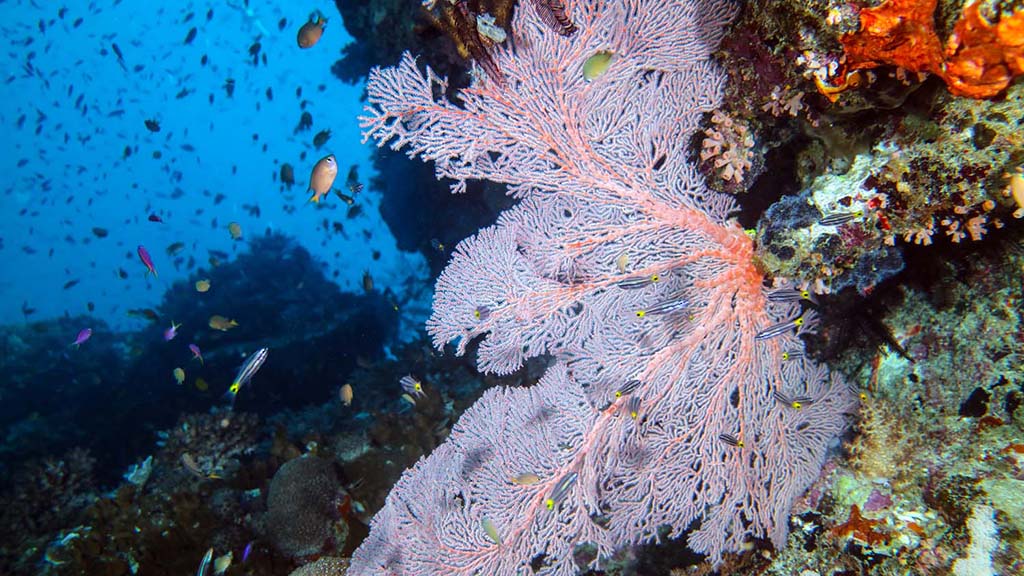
pixel 203 285
pixel 322 177
pixel 597 65
pixel 621 262
pixel 220 565
pixel 491 531
pixel 218 322
pixel 179 376
pixel 235 229
pixel 526 479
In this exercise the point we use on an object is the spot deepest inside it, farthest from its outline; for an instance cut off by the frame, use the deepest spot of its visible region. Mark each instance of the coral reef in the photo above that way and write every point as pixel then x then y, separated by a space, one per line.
pixel 39 498
pixel 328 566
pixel 203 446
pixel 908 162
pixel 939 436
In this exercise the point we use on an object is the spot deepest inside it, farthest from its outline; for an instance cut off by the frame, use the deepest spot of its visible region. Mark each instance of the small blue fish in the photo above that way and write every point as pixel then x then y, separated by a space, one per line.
pixel 667 307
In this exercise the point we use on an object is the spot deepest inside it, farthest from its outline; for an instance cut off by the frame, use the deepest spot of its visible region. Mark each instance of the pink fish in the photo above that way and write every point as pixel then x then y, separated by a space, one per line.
pixel 196 353
pixel 83 335
pixel 171 332
pixel 144 256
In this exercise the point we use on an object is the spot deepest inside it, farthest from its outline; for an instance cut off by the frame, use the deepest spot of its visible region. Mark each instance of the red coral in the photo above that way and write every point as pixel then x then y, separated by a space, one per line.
pixel 983 58
pixel 979 61
pixel 897 33
pixel 861 528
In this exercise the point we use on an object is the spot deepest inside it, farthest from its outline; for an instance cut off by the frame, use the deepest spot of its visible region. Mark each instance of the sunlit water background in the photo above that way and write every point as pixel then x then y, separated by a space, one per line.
pixel 65 172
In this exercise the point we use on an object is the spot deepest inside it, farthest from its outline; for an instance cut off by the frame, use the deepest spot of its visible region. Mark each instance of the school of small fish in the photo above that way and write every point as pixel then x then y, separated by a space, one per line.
pixel 140 140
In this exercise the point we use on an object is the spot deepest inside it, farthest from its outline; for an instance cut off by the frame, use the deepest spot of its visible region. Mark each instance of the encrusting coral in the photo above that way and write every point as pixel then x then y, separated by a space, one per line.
pixel 982 56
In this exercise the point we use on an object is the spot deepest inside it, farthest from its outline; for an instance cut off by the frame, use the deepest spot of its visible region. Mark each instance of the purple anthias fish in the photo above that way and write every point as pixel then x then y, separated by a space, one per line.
pixel 83 335
pixel 146 260
pixel 196 353
pixel 171 332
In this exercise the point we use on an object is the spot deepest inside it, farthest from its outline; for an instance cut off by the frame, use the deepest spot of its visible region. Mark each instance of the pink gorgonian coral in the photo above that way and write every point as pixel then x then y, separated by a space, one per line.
pixel 679 397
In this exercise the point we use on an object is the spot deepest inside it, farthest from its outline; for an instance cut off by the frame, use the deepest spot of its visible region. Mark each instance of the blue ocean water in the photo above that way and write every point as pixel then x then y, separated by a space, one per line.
pixel 78 154
pixel 168 127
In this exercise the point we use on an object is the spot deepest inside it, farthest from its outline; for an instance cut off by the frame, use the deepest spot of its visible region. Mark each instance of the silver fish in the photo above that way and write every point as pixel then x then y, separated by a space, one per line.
pixel 789 295
pixel 638 282
pixel 669 306
pixel 839 218
pixel 779 329
pixel 627 388
pixel 795 402
pixel 792 355
pixel 249 368
pixel 412 385
pixel 560 490
pixel 731 440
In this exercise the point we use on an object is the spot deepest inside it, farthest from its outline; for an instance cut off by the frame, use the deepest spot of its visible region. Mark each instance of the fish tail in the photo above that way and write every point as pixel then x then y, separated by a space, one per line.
pixel 315 199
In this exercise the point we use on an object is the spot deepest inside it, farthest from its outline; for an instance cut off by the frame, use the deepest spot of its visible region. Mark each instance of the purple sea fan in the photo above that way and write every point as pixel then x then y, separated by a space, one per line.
pixel 624 267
